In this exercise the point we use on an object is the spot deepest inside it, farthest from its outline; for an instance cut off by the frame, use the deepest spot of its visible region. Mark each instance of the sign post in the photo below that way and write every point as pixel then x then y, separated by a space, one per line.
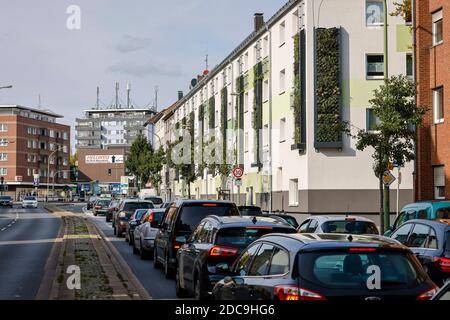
pixel 238 173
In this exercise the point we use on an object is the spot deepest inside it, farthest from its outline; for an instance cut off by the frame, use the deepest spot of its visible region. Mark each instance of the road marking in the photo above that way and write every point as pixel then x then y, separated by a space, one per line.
pixel 12 222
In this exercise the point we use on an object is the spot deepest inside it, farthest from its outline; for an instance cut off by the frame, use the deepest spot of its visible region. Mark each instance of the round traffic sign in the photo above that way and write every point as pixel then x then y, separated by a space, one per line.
pixel 238 172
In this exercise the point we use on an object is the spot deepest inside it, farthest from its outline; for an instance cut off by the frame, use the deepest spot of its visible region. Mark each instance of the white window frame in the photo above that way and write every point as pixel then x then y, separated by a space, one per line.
pixel 370 77
pixel 439 180
pixel 266 90
pixel 438 93
pixel 3 127
pixel 246 142
pixel 3 171
pixel 437 17
pixel 282 130
pixel 4 142
pixel 3 156
pixel 246 99
pixel 293 193
pixel 282 83
pixel 282 33
pixel 376 24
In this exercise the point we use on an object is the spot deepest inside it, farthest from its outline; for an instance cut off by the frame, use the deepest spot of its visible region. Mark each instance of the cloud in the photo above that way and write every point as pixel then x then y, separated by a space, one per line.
pixel 130 44
pixel 142 70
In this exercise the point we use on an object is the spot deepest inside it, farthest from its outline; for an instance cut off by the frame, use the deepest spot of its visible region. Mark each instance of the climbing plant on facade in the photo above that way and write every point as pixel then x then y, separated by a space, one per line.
pixel 297 92
pixel 224 168
pixel 258 78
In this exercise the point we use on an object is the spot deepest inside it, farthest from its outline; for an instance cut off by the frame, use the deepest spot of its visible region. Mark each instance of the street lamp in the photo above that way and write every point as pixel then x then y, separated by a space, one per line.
pixel 6 87
pixel 48 167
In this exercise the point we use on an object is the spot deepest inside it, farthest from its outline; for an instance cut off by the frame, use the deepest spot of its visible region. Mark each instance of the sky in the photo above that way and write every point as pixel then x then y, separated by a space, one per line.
pixel 147 43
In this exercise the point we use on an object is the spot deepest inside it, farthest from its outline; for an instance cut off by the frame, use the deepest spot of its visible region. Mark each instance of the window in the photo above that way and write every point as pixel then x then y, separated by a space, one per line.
pixel 260 265
pixel 29 144
pixel 312 226
pixel 3 171
pixel 266 90
pixel 439 182
pixel 282 33
pixel 244 262
pixel 282 81
pixel 266 135
pixel 401 234
pixel 438 36
pixel 257 49
pixel 29 172
pixel 65 149
pixel 266 46
pixel 283 130
pixel 65 175
pixel 3 157
pixel 4 142
pixel 375 66
pixel 246 142
pixel 371 119
pixel 3 127
pixel 246 61
pixel 246 102
pixel 304 226
pixel 52 133
pixel 293 192
pixel 418 236
pixel 295 23
pixel 438 105
pixel 280 262
pixel 409 65
pixel 374 13
pixel 65 162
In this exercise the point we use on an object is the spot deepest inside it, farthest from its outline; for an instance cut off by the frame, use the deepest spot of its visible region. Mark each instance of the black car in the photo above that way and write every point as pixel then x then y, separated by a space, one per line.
pixel 326 267
pixel 284 217
pixel 179 221
pixel 6 201
pixel 430 241
pixel 134 221
pixel 217 241
pixel 250 211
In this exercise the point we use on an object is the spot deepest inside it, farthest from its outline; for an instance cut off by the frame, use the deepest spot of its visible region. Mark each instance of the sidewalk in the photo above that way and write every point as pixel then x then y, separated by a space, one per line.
pixel 103 275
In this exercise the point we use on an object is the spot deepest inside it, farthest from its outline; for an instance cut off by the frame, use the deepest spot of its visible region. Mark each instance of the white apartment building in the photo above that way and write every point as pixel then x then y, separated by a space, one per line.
pixel 310 66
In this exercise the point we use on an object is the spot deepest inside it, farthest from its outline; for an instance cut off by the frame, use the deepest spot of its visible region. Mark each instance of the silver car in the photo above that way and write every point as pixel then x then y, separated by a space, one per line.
pixel 29 202
pixel 338 224
pixel 145 233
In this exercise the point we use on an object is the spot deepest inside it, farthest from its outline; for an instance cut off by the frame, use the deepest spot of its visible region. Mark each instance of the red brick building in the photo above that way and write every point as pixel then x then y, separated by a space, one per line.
pixel 31 143
pixel 432 20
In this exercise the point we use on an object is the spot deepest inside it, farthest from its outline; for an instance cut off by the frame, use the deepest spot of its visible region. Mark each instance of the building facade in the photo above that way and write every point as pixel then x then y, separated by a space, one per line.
pixel 287 87
pixel 34 151
pixel 432 25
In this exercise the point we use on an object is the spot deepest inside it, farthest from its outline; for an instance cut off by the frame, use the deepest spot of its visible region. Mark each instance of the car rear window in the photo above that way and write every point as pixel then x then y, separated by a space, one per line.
pixel 139 214
pixel 133 206
pixel 345 269
pixel 291 221
pixel 155 200
pixel 192 214
pixel 350 227
pixel 104 202
pixel 29 198
pixel 241 237
pixel 250 211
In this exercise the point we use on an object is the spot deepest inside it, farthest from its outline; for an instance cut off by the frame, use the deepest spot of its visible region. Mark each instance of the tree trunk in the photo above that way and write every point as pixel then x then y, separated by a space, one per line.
pixel 387 208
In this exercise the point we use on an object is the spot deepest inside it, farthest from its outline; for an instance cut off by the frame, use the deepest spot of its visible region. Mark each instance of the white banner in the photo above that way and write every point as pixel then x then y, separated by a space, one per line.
pixel 103 158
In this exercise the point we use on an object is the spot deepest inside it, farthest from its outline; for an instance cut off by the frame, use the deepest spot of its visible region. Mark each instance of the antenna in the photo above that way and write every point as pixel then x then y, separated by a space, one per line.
pixel 117 96
pixel 206 62
pixel 128 95
pixel 97 105
pixel 39 101
pixel 156 97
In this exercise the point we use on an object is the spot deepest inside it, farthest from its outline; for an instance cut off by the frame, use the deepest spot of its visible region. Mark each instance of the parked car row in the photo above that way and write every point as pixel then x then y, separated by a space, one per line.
pixel 217 250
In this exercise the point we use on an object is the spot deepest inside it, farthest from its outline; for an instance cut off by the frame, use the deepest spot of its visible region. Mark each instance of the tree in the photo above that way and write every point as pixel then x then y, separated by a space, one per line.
pixel 155 165
pixel 404 9
pixel 73 159
pixel 393 137
pixel 138 160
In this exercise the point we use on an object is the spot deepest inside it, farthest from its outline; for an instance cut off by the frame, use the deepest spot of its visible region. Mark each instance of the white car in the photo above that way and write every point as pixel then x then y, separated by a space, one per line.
pixel 29 202
pixel 145 233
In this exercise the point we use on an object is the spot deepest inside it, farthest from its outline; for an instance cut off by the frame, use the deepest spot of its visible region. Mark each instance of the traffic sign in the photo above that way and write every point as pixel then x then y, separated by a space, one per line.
pixel 388 178
pixel 238 172
pixel 238 182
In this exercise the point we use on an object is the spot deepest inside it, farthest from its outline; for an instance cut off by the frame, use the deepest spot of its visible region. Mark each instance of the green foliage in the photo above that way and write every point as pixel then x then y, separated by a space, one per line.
pixel 212 112
pixel 404 9
pixel 224 168
pixel 297 97
pixel 258 77
pixel 394 136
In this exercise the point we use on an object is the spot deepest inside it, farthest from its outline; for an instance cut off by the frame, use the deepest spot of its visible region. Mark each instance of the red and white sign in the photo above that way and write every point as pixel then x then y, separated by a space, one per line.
pixel 103 158
pixel 18 178
pixel 238 172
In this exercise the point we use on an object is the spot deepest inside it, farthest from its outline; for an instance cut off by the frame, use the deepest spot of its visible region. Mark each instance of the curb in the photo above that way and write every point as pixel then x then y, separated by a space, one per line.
pixel 122 263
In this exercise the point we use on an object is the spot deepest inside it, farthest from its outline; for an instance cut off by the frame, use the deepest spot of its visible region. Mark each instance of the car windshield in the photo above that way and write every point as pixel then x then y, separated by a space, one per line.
pixel 5 198
pixel 192 214
pixel 155 200
pixel 443 213
pixel 346 269
pixel 250 211
pixel 350 227
pixel 103 203
pixel 29 198
pixel 131 207
pixel 241 237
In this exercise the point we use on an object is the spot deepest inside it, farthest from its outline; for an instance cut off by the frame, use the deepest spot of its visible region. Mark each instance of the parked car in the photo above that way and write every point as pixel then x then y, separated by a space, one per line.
pixel 428 210
pixel 113 206
pixel 157 201
pixel 91 202
pixel 430 242
pixel 217 241
pixel 29 202
pixel 101 206
pixel 179 221
pixel 134 221
pixel 6 201
pixel 145 233
pixel 250 211
pixel 126 208
pixel 284 217
pixel 443 294
pixel 338 224
pixel 325 267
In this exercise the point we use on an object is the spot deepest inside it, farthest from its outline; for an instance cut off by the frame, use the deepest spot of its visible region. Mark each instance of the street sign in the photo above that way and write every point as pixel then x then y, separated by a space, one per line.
pixel 390 166
pixel 238 172
pixel 388 178
pixel 238 182
pixel 18 178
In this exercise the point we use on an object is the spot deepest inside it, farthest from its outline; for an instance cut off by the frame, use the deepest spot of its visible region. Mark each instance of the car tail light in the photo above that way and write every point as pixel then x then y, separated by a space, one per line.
pixel 219 251
pixel 151 217
pixel 209 205
pixel 350 219
pixel 264 227
pixel 362 249
pixel 427 295
pixel 98 207
pixel 443 264
pixel 289 292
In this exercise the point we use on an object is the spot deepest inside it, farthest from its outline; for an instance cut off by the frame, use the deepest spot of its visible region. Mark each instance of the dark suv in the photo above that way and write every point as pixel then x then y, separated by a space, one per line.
pixel 6 201
pixel 178 223
pixel 215 244
pixel 326 267
pixel 124 212
pixel 430 241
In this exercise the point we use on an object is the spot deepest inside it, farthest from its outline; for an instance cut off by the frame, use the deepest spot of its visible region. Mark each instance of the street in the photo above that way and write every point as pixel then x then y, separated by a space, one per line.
pixel 26 239
pixel 152 279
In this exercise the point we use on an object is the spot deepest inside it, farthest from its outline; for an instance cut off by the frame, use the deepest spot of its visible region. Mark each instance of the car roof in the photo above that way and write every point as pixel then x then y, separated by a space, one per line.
pixel 183 201
pixel 309 241
pixel 340 218
pixel 135 201
pixel 438 204
pixel 432 223
pixel 249 207
pixel 243 221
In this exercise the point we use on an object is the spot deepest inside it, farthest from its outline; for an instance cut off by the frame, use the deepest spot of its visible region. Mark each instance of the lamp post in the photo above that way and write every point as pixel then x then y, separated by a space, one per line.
pixel 48 168
pixel 6 87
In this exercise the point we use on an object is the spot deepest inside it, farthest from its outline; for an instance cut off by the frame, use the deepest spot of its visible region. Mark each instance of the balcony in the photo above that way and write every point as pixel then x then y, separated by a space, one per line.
pixel 88 137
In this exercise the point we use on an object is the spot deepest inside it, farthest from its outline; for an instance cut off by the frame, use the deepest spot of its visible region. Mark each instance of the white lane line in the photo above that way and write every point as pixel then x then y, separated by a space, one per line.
pixel 12 222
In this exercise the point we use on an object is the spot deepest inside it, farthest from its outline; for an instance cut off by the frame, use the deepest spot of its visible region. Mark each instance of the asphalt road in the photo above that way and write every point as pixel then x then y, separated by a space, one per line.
pixel 26 240
pixel 152 279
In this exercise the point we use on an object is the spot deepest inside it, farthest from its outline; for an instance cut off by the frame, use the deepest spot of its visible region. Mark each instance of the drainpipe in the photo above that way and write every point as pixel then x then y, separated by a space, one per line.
pixel 414 22
pixel 270 119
